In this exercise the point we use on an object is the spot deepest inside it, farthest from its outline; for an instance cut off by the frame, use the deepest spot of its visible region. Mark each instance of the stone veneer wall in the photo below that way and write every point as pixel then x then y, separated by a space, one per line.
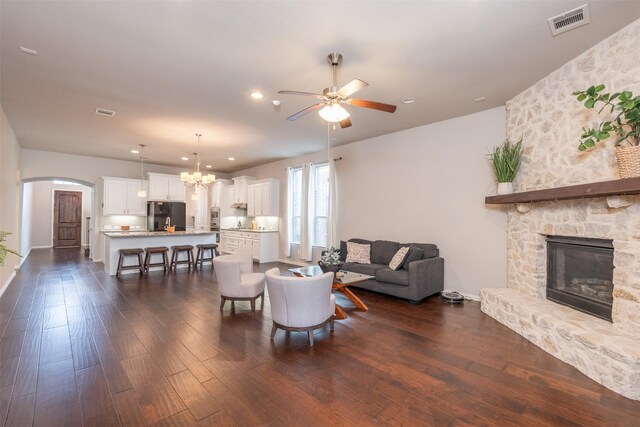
pixel 550 119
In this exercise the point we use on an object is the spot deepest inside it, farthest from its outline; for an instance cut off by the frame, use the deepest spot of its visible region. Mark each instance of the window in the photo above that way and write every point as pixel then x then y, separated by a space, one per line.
pixel 318 203
pixel 296 213
pixel 321 204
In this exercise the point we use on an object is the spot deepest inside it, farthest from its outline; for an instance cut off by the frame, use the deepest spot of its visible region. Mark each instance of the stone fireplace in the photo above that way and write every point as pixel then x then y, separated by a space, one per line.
pixel 580 274
pixel 549 120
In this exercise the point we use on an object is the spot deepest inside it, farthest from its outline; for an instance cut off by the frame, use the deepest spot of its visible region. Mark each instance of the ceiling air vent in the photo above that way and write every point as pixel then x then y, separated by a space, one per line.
pixel 569 20
pixel 105 112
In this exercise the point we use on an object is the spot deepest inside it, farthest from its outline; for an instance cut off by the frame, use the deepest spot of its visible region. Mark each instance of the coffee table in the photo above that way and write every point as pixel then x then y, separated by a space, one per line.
pixel 339 285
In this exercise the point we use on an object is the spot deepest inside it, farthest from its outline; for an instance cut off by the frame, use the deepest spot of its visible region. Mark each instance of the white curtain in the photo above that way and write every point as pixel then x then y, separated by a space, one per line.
pixel 306 220
pixel 288 217
pixel 332 219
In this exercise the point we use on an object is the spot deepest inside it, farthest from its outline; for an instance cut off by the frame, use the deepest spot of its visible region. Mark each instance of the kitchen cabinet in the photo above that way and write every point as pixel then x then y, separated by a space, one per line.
pixel 221 197
pixel 222 245
pixel 120 197
pixel 240 185
pixel 263 198
pixel 263 246
pixel 163 187
pixel 199 208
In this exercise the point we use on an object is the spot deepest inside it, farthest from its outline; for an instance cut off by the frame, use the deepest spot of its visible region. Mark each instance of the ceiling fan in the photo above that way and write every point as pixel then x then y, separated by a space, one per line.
pixel 332 97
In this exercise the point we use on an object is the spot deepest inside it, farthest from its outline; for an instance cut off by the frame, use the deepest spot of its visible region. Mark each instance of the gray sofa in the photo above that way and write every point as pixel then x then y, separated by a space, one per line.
pixel 421 278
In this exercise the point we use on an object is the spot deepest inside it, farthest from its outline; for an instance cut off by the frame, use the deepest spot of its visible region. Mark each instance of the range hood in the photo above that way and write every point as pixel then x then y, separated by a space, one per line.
pixel 239 205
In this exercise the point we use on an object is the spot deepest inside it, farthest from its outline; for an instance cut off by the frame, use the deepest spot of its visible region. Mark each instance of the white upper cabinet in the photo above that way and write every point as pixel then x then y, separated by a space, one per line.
pixel 136 205
pixel 163 187
pixel 120 197
pixel 240 184
pixel 263 198
pixel 220 193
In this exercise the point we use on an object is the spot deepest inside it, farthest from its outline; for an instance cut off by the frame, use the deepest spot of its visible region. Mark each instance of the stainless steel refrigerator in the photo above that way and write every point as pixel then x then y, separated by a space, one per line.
pixel 162 214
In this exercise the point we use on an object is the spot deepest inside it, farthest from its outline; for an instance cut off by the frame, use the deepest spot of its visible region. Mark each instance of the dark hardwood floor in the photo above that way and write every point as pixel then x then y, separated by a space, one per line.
pixel 80 348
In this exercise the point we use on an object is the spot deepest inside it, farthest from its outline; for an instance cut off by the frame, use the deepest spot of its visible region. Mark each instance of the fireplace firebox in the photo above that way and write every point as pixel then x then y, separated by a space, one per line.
pixel 580 274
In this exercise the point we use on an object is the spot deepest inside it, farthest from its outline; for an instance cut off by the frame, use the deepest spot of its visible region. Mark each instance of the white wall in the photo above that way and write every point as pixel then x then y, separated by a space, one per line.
pixel 427 185
pixel 10 196
pixel 42 211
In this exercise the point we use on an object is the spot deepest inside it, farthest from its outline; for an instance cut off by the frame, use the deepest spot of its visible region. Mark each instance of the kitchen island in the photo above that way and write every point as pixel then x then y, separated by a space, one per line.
pixel 116 240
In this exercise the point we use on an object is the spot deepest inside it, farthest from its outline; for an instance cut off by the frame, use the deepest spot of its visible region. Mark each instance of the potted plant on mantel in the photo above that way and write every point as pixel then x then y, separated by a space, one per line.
pixel 506 159
pixel 5 250
pixel 625 124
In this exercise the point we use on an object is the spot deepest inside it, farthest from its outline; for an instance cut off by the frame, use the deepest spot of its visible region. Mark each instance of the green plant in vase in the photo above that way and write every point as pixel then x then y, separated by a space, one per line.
pixel 625 124
pixel 506 159
pixel 4 250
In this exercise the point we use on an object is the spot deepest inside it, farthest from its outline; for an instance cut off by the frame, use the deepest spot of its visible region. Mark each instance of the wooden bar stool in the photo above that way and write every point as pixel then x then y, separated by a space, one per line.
pixel 156 250
pixel 200 255
pixel 130 252
pixel 175 256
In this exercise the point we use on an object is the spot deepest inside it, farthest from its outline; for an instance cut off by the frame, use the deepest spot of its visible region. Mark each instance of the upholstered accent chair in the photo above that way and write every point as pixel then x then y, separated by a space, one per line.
pixel 237 281
pixel 300 303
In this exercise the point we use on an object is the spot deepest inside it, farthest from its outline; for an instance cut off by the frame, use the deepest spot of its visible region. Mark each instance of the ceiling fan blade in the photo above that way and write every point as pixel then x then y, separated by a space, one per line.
pixel 295 92
pixel 352 87
pixel 307 110
pixel 388 108
pixel 345 123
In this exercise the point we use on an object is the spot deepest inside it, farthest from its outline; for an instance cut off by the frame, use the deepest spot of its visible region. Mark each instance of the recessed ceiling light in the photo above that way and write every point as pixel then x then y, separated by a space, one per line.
pixel 232 158
pixel 208 166
pixel 257 95
pixel 408 100
pixel 29 51
pixel 184 158
pixel 482 98
pixel 135 151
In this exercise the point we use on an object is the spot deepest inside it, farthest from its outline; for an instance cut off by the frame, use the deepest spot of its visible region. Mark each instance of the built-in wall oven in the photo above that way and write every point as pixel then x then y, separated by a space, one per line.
pixel 214 222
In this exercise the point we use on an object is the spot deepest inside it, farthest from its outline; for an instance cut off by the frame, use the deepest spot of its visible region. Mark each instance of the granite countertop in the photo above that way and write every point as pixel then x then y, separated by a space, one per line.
pixel 156 233
pixel 248 230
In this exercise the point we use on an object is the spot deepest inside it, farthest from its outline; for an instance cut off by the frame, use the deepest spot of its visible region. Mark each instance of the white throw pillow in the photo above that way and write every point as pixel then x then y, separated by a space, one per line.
pixel 358 252
pixel 398 258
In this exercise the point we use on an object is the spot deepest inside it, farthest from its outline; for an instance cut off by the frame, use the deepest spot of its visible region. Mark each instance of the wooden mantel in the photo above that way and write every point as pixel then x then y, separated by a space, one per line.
pixel 616 187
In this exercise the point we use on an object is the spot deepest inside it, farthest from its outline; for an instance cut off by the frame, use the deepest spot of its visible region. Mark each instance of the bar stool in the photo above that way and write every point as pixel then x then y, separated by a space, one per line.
pixel 130 252
pixel 200 255
pixel 175 256
pixel 156 250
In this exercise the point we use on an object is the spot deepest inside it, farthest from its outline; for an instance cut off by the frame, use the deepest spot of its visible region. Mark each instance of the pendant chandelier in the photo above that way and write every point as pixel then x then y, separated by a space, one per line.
pixel 142 193
pixel 196 178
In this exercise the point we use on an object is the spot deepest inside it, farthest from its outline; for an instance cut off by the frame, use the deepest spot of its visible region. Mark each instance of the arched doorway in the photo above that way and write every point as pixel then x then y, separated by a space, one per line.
pixel 45 217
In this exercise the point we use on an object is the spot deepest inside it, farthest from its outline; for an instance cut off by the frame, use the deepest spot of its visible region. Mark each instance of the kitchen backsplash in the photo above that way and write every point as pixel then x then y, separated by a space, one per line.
pixel 264 222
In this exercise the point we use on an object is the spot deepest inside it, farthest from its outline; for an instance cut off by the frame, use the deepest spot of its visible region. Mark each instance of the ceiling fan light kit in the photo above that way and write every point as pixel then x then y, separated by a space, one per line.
pixel 197 179
pixel 333 113
pixel 330 108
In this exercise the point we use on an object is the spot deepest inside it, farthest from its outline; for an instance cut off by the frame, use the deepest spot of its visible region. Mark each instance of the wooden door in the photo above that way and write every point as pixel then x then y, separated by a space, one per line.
pixel 67 219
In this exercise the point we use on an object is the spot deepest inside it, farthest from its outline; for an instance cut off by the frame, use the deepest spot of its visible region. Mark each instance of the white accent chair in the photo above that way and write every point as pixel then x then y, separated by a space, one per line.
pixel 300 303
pixel 237 281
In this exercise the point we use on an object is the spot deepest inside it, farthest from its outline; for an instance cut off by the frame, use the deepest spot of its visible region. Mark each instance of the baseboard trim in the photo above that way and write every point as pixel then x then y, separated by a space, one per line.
pixel 23 259
pixel 41 247
pixel 6 284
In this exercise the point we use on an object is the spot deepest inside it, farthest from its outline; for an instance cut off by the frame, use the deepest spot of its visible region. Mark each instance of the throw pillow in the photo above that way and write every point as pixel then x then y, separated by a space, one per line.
pixel 415 254
pixel 359 253
pixel 398 258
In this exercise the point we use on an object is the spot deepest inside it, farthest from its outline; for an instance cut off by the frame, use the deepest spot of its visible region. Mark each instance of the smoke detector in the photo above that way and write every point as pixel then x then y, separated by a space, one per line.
pixel 569 20
pixel 105 112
